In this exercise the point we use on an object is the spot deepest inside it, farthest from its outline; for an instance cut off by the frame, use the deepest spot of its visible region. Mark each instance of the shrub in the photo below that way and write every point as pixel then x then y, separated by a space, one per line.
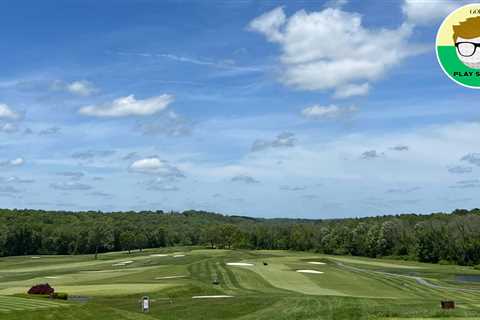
pixel 44 288
pixel 60 295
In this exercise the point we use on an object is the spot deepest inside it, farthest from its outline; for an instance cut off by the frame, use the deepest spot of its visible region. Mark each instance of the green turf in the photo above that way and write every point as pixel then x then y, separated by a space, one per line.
pixel 348 288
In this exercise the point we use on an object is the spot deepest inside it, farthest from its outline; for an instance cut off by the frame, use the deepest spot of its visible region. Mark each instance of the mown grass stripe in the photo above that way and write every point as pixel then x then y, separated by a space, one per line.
pixel 225 279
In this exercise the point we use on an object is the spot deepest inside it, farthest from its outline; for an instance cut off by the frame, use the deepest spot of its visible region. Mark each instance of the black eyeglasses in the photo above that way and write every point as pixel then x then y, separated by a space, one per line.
pixel 467 49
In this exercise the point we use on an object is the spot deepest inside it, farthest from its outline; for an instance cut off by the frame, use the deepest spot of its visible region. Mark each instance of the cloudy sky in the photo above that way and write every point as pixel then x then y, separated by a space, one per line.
pixel 264 108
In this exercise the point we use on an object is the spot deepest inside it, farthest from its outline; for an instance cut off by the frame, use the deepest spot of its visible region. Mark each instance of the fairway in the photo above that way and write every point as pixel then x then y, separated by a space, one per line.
pixel 250 285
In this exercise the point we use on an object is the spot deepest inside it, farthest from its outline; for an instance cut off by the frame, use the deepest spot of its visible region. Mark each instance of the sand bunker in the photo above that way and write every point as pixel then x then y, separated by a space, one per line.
pixel 169 277
pixel 239 264
pixel 317 262
pixel 123 263
pixel 211 297
pixel 52 277
pixel 310 271
pixel 35 257
pixel 179 255
pixel 159 255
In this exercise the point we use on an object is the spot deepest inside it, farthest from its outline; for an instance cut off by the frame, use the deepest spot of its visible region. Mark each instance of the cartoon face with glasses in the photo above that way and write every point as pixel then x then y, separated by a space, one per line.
pixel 466 36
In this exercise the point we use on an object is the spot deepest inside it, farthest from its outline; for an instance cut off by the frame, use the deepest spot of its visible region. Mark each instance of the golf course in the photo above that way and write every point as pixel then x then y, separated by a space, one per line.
pixel 198 283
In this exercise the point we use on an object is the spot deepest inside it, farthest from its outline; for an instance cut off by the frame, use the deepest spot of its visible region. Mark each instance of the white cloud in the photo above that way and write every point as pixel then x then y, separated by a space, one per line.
pixel 332 50
pixel 129 106
pixel 156 166
pixel 8 128
pixel 335 3
pixel 351 90
pixel 81 88
pixel 283 140
pixel 423 12
pixel 269 24
pixel 245 179
pixel 327 112
pixel 12 163
pixel 7 112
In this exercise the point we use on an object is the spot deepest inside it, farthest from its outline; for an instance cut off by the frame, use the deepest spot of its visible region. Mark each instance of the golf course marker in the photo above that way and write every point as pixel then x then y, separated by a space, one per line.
pixel 458 46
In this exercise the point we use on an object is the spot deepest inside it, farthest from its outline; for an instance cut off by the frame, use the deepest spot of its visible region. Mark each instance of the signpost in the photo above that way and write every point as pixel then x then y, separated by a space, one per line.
pixel 145 304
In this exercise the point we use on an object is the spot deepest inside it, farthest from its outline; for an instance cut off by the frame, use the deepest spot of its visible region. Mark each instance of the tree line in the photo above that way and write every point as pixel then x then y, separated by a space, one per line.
pixel 439 237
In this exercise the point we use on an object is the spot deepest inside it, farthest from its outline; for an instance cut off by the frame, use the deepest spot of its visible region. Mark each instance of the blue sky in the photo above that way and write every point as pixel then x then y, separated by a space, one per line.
pixel 264 108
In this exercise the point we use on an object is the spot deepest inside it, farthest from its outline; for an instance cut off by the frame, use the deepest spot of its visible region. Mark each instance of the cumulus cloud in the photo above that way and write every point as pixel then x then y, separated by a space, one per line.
pixel 80 87
pixel 170 125
pixel 283 140
pixel 7 113
pixel 244 179
pixel 400 147
pixel 70 186
pixel 49 131
pixel 371 154
pixel 12 163
pixel 460 169
pixel 472 158
pixel 156 166
pixel 422 12
pixel 129 106
pixel 332 50
pixel 327 112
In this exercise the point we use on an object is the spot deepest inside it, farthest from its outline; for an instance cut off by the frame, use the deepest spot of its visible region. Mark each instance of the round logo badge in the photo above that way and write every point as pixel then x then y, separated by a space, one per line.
pixel 458 46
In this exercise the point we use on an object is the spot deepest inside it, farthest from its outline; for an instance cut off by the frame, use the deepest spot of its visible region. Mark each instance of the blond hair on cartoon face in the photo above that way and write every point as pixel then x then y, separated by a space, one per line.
pixel 466 36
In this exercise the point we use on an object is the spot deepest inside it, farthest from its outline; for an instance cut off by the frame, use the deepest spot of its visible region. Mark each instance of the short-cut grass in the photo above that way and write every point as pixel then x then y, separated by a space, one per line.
pixel 347 288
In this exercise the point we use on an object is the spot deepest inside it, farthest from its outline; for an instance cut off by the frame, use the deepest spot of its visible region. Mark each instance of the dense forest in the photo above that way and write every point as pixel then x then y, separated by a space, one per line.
pixel 438 237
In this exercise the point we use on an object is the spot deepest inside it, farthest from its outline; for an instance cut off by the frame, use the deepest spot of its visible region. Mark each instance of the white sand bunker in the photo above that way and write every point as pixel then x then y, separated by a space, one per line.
pixel 159 255
pixel 123 263
pixel 239 264
pixel 310 271
pixel 179 255
pixel 169 277
pixel 52 277
pixel 317 262
pixel 211 297
pixel 35 257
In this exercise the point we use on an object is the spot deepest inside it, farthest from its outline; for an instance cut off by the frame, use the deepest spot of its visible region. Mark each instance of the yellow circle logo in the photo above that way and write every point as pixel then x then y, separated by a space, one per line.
pixel 458 46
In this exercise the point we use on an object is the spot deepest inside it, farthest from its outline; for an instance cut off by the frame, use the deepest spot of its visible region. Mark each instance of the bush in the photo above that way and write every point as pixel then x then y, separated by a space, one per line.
pixel 60 295
pixel 41 289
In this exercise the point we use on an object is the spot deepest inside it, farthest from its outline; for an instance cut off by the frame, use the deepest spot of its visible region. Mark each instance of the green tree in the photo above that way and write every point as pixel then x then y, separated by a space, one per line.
pixel 100 237
pixel 127 240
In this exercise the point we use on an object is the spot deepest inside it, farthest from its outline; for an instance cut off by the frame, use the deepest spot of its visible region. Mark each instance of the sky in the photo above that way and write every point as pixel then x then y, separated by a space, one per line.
pixel 311 109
